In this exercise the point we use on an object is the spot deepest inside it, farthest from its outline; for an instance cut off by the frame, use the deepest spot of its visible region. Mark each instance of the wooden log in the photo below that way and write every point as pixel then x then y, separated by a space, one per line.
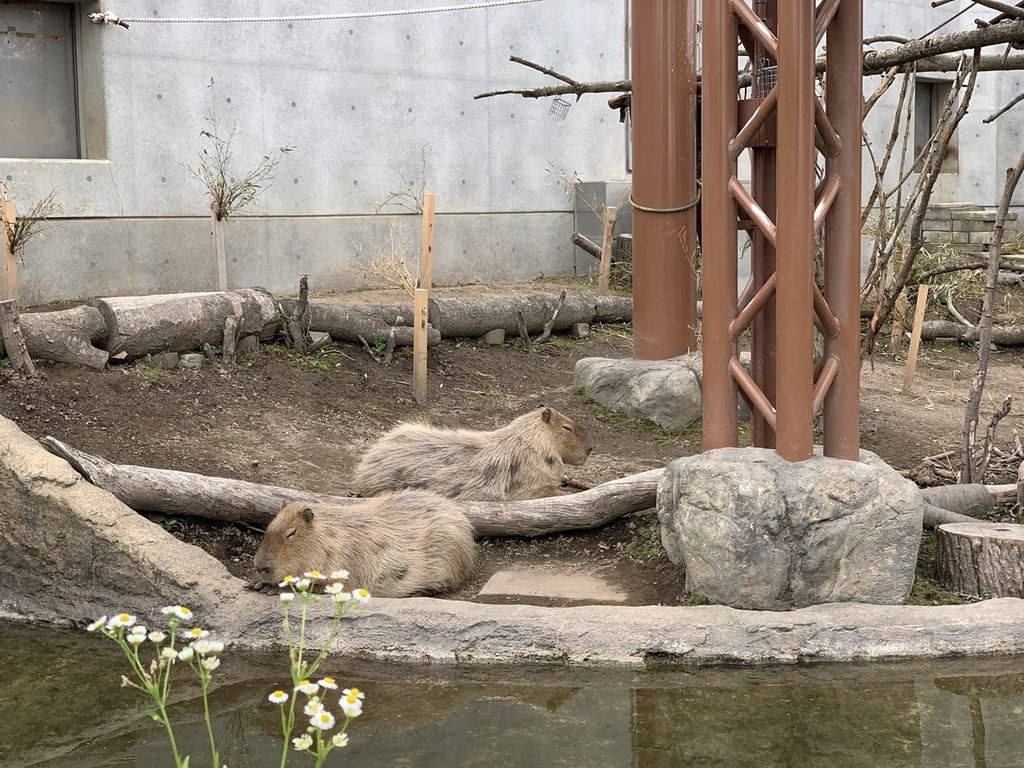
pixel 981 559
pixel 936 516
pixel 14 341
pixel 140 325
pixel 66 336
pixel 347 322
pixel 965 498
pixel 185 493
pixel 1004 336
pixel 475 315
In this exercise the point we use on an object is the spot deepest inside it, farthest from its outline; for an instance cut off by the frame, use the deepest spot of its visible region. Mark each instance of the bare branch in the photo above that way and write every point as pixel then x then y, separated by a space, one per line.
pixel 1004 32
pixel 1014 102
pixel 545 70
pixel 1009 10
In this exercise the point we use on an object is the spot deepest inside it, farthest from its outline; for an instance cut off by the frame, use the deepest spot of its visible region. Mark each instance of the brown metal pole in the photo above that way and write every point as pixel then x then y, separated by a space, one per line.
pixel 841 416
pixel 762 254
pixel 795 238
pixel 664 177
pixel 718 255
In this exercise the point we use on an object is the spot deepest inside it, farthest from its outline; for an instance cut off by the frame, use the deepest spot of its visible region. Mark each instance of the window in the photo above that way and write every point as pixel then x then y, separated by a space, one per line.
pixel 38 88
pixel 929 99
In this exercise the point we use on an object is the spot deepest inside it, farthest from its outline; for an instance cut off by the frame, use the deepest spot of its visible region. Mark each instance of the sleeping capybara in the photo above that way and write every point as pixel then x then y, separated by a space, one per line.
pixel 522 460
pixel 395 545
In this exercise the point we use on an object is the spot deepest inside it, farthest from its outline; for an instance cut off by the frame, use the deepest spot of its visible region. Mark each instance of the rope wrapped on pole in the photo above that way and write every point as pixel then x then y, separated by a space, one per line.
pixel 108 18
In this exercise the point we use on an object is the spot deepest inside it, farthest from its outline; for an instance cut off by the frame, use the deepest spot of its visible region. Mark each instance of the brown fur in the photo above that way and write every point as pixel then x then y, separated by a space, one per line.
pixel 396 545
pixel 522 460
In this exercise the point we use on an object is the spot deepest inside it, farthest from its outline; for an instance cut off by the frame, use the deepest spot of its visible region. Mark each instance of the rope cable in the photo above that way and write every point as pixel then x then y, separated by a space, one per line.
pixel 680 209
pixel 109 18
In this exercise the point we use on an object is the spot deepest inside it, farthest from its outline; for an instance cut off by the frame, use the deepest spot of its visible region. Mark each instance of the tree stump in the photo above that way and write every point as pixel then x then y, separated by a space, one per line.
pixel 981 559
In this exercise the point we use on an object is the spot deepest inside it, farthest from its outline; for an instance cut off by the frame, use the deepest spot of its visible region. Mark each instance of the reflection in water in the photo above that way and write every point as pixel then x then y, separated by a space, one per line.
pixel 62 706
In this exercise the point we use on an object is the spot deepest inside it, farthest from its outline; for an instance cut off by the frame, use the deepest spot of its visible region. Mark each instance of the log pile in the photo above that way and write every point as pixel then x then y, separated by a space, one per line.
pixel 131 327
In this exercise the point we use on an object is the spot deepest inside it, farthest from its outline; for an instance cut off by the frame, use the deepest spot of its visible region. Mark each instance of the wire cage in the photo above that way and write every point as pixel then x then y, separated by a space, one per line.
pixel 767 78
pixel 559 109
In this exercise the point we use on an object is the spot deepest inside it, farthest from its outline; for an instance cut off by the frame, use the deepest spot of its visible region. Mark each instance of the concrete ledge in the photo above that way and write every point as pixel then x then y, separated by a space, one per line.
pixel 70 552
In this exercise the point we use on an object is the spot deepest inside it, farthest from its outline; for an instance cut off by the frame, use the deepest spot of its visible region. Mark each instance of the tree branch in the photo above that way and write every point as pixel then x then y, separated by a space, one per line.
pixel 1004 32
pixel 1014 102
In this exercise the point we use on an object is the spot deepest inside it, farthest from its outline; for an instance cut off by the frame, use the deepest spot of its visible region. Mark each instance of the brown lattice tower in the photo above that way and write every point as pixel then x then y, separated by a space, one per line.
pixel 787 128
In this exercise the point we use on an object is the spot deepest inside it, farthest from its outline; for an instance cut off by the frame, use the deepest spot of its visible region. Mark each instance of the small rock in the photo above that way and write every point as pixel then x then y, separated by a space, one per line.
pixel 166 360
pixel 579 330
pixel 495 337
pixel 192 360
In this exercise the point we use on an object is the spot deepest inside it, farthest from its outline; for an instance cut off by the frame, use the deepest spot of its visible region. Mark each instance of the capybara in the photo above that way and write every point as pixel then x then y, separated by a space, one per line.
pixel 522 460
pixel 394 545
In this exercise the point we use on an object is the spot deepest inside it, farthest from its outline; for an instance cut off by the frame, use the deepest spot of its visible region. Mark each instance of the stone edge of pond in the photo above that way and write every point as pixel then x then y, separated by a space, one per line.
pixel 71 552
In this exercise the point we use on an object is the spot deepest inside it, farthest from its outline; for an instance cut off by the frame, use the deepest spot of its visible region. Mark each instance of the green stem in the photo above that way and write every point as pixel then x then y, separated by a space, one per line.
pixel 204 679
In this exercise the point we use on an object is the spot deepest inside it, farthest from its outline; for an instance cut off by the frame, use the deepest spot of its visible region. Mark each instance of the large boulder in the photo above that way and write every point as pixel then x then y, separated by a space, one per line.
pixel 667 392
pixel 756 531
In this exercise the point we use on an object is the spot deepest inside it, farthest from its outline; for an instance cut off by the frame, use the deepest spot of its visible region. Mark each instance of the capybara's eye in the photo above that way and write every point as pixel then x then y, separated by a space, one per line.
pixel 566 426
pixel 290 532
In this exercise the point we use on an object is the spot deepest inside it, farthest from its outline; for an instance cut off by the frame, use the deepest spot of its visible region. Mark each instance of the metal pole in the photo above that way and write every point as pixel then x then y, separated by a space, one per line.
pixel 844 97
pixel 718 255
pixel 795 239
pixel 762 253
pixel 664 177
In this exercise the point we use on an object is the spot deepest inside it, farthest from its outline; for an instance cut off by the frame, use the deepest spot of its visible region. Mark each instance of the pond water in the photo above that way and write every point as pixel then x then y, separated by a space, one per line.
pixel 61 706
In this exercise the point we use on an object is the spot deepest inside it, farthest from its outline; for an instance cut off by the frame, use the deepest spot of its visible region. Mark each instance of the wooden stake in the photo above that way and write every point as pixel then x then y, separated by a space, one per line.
pixel 915 339
pixel 219 248
pixel 419 346
pixel 10 264
pixel 14 341
pixel 427 254
pixel 606 251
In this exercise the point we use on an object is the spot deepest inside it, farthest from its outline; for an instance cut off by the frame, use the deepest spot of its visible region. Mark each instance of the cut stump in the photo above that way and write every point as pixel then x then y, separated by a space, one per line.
pixel 981 559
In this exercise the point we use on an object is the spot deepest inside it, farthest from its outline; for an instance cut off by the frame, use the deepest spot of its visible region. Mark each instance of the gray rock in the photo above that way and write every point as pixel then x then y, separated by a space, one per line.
pixel 494 337
pixel 756 531
pixel 166 360
pixel 192 360
pixel 667 392
pixel 579 330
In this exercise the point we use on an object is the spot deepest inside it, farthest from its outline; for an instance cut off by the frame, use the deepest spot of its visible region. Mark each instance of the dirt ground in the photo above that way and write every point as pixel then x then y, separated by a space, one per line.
pixel 283 420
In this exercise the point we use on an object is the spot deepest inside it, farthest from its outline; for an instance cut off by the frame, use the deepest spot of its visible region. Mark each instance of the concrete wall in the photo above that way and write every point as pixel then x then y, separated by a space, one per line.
pixel 984 152
pixel 370 106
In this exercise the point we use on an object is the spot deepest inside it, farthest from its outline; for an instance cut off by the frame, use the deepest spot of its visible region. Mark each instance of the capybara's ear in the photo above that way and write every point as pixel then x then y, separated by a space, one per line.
pixel 307 514
pixel 546 414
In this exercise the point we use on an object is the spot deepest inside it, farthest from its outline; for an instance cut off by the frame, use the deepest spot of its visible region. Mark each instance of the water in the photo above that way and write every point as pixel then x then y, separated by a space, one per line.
pixel 61 706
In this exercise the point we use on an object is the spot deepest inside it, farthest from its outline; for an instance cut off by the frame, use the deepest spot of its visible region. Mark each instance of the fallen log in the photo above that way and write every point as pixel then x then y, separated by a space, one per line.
pixel 182 322
pixel 66 336
pixel 474 315
pixel 170 492
pixel 374 322
pixel 1005 336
